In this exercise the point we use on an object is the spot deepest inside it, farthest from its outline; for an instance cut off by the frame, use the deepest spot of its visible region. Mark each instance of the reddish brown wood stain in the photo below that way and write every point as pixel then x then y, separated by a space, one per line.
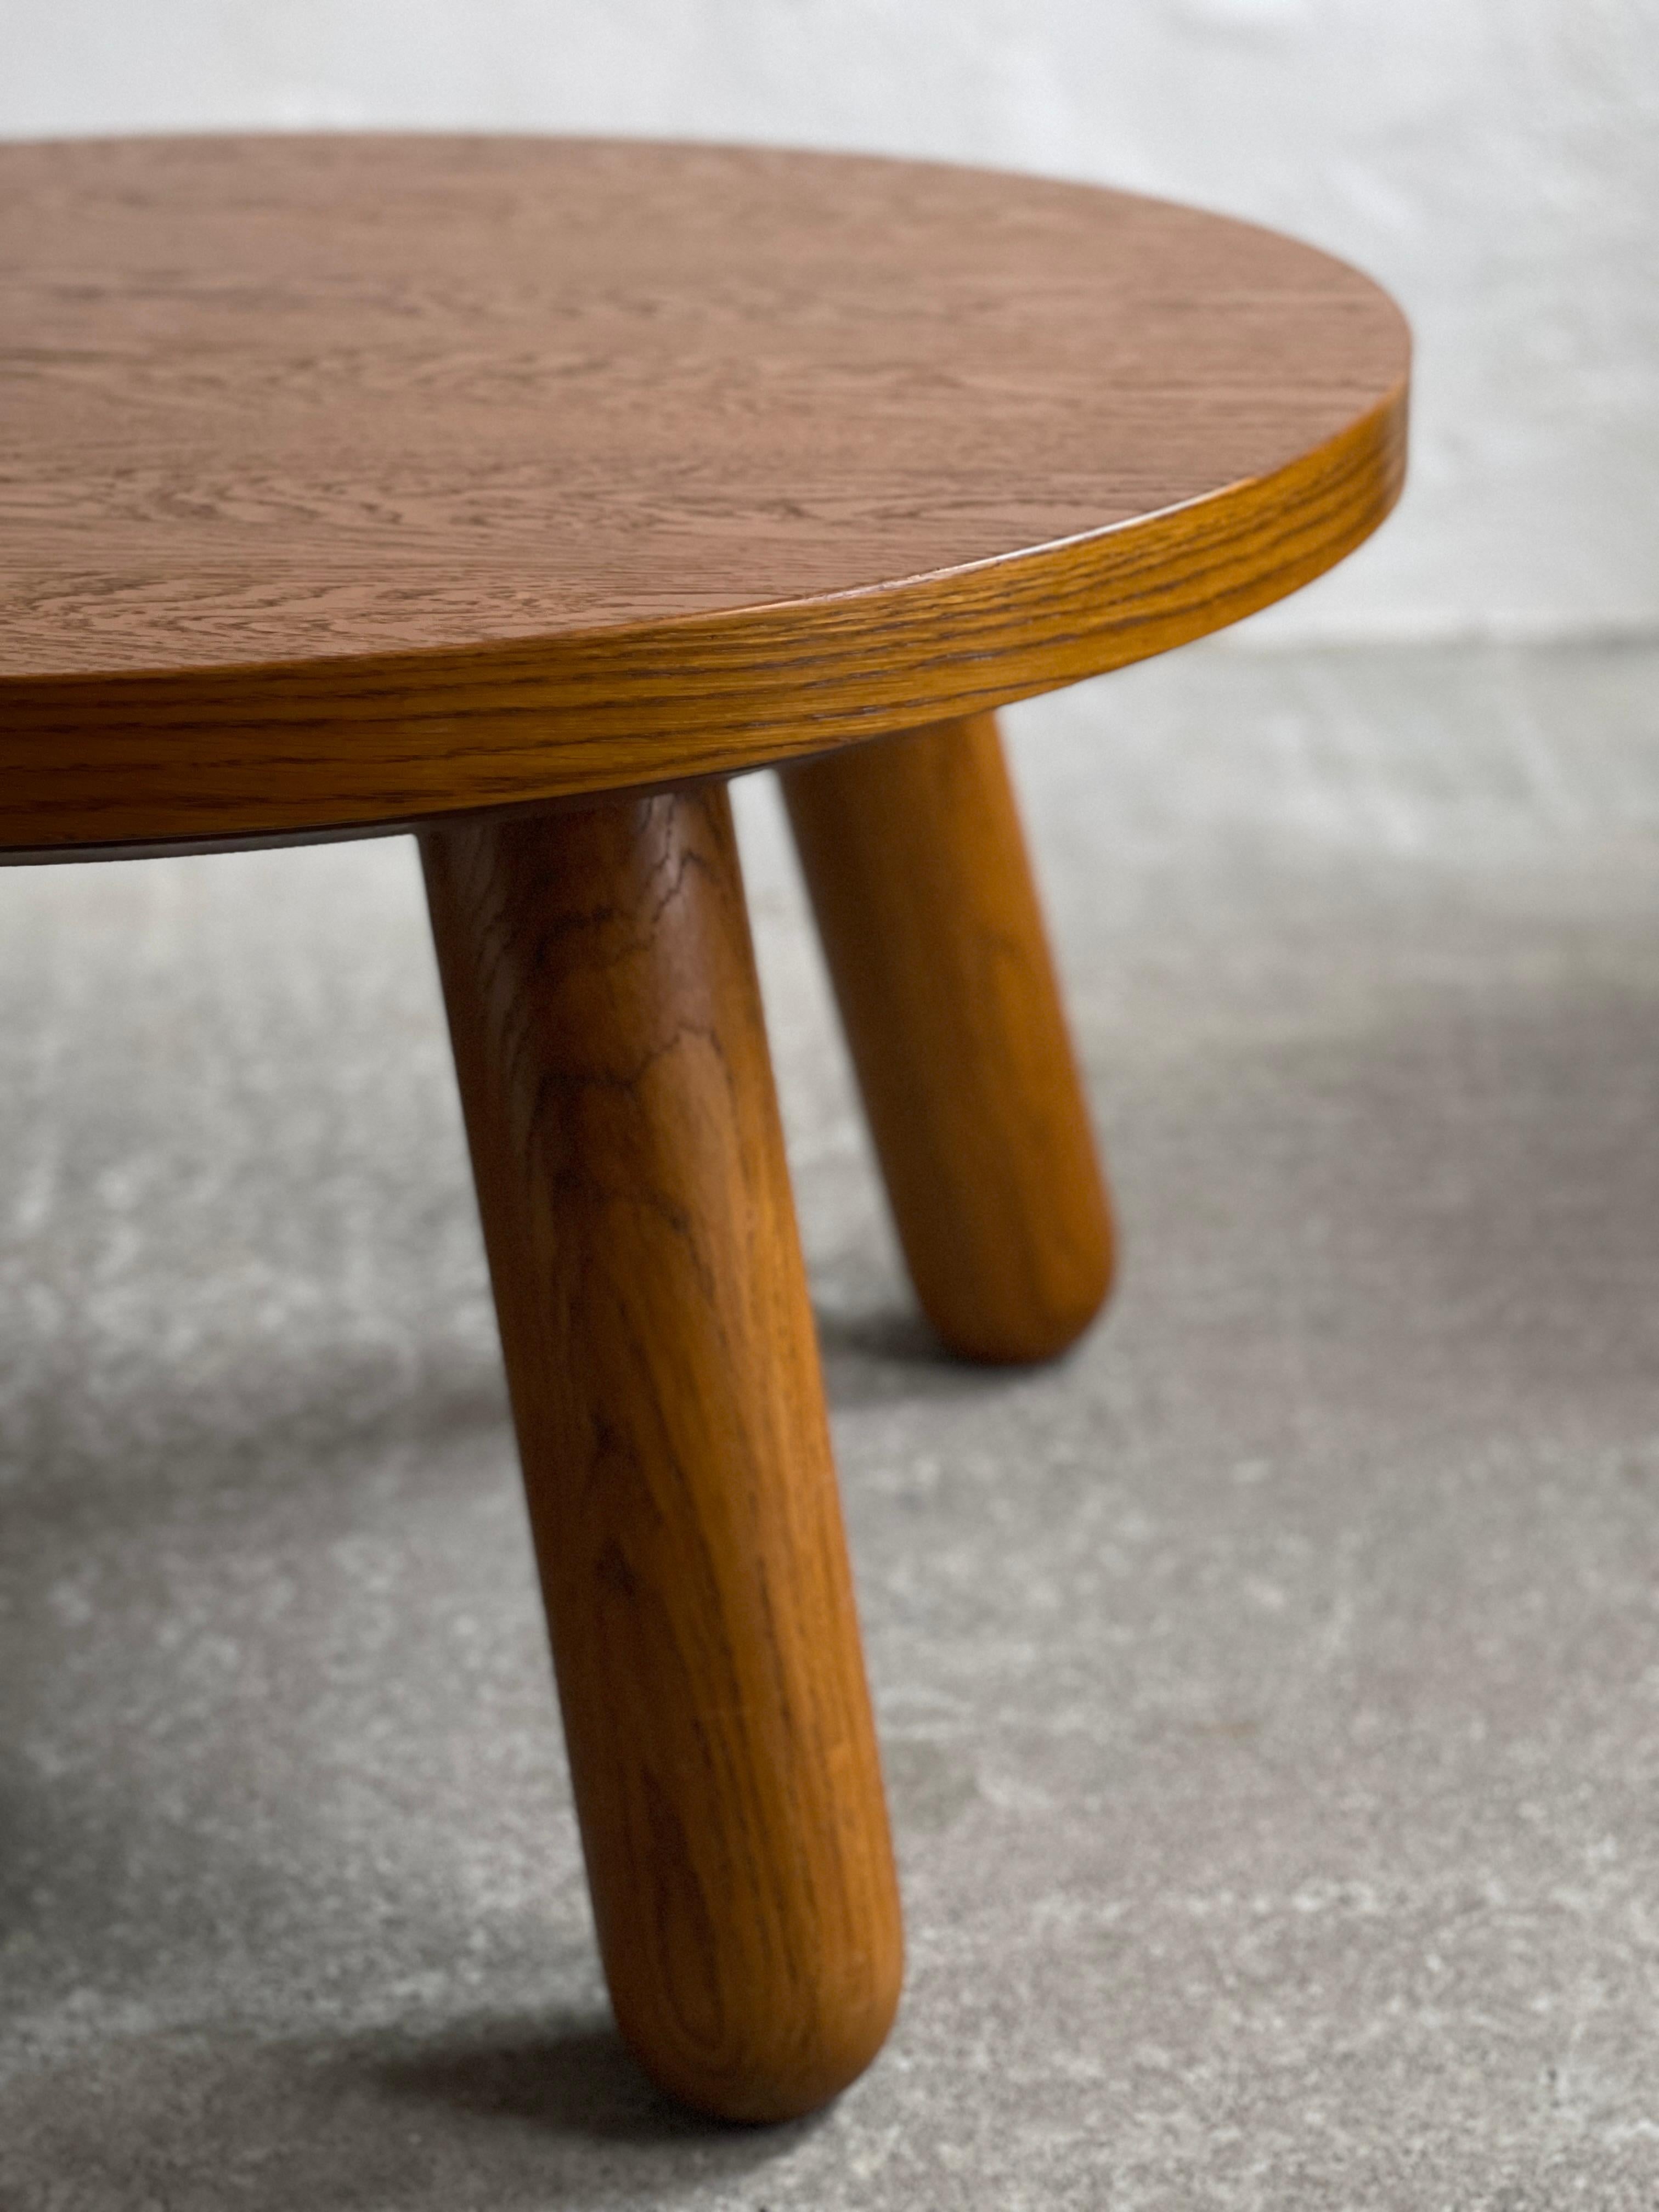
pixel 346 481
pixel 913 854
pixel 349 482
pixel 665 1378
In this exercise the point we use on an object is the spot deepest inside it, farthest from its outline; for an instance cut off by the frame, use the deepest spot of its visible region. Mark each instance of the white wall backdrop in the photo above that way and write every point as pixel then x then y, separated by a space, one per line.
pixel 1495 161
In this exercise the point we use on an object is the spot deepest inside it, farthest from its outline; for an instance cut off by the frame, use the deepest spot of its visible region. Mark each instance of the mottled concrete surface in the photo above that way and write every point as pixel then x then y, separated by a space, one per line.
pixel 1268 1693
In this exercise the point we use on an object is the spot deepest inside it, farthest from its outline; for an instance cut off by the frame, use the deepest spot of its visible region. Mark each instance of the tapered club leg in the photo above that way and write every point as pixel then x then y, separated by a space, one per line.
pixel 666 1388
pixel 919 877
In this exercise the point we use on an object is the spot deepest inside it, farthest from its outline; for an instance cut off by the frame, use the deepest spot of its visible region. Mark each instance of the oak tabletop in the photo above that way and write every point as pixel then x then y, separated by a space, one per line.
pixel 352 480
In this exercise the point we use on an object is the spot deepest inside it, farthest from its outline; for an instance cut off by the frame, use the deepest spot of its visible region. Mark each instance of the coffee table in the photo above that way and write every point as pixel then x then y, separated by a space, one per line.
pixel 518 492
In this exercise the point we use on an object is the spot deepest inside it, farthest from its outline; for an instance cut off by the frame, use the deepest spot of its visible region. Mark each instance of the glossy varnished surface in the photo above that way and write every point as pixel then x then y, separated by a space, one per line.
pixel 353 480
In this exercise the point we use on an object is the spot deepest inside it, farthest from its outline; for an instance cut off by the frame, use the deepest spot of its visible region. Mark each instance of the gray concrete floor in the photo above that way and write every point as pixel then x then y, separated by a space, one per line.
pixel 1268 1693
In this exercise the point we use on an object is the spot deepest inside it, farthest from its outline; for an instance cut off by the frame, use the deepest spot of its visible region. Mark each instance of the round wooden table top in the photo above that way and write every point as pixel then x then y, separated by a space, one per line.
pixel 348 481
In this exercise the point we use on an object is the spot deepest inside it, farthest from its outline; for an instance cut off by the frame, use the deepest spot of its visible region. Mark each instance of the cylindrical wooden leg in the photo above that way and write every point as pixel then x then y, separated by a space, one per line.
pixel 918 874
pixel 664 1379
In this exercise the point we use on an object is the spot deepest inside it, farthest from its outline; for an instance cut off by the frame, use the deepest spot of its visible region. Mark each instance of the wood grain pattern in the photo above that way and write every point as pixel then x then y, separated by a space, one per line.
pixel 930 926
pixel 665 1378
pixel 349 481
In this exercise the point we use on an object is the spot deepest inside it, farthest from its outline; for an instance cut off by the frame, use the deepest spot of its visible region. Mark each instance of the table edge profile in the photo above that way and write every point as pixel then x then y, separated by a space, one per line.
pixel 216 756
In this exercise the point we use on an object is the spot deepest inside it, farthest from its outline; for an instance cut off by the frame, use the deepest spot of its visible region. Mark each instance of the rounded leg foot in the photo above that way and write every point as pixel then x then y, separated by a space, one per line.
pixel 925 904
pixel 664 1379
